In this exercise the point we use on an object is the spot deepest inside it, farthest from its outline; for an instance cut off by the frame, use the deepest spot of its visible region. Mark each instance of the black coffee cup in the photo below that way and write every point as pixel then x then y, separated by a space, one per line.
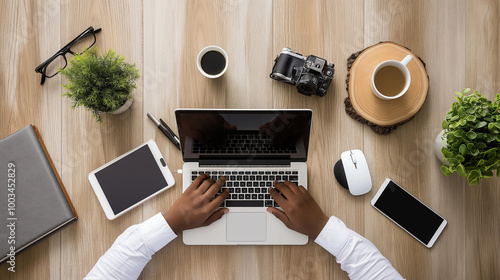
pixel 212 62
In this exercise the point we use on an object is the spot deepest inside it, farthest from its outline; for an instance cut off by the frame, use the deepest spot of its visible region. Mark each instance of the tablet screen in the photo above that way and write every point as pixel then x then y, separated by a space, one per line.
pixel 131 179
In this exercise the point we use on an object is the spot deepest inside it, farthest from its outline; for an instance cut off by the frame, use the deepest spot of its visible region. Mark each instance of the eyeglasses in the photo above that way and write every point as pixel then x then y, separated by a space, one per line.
pixel 50 67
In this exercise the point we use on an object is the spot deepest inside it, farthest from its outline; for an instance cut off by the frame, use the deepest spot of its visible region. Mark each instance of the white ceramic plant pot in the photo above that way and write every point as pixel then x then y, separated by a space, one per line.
pixel 123 108
pixel 438 145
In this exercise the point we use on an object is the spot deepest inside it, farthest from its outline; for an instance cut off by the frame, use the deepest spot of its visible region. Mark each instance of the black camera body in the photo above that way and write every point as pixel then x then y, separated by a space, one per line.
pixel 311 74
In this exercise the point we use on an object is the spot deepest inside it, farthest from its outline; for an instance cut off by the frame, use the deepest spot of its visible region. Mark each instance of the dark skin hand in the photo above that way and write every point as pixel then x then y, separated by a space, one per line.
pixel 300 211
pixel 194 209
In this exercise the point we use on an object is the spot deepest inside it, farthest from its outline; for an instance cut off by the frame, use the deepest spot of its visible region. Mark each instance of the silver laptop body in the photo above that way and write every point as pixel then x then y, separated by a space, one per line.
pixel 251 148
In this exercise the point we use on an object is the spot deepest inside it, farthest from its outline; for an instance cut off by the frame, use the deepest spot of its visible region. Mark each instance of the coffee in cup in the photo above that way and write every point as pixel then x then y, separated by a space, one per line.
pixel 391 79
pixel 212 62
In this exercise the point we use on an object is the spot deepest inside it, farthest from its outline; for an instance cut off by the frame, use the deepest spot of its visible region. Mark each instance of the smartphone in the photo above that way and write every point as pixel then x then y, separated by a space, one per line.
pixel 409 213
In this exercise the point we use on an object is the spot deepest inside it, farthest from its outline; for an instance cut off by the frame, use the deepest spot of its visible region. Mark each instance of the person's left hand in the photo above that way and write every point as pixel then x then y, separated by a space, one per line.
pixel 194 207
pixel 300 211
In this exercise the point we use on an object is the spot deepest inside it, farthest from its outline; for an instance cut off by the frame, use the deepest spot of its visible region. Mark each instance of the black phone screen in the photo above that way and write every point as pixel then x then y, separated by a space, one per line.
pixel 408 212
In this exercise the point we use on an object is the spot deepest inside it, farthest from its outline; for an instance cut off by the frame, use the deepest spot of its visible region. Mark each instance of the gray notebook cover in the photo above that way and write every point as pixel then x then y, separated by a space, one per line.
pixel 41 206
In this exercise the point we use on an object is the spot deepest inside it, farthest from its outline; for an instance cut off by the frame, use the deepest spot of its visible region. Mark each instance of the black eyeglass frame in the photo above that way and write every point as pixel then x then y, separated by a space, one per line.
pixel 42 68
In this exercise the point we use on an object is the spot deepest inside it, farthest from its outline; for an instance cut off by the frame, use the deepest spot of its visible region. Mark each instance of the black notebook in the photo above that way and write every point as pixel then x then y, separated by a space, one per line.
pixel 33 200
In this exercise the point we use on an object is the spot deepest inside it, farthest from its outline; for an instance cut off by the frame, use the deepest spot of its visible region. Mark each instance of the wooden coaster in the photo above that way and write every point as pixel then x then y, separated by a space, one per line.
pixel 386 112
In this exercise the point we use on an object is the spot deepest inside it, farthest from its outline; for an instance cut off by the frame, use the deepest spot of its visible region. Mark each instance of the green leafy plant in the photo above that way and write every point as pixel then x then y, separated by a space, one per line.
pixel 472 137
pixel 100 83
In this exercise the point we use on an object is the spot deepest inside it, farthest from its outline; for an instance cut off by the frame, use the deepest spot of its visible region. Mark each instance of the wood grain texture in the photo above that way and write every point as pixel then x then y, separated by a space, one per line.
pixel 86 144
pixel 482 222
pixel 323 29
pixel 173 81
pixel 458 40
pixel 406 155
pixel 26 42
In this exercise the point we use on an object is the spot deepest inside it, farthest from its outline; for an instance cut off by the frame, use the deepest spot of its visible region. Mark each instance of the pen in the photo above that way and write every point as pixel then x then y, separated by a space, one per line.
pixel 166 131
pixel 170 131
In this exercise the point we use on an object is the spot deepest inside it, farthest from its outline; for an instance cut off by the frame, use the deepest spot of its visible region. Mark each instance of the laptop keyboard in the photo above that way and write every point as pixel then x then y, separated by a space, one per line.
pixel 249 188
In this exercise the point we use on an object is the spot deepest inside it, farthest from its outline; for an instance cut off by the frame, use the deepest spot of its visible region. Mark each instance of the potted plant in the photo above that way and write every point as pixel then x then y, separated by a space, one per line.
pixel 470 142
pixel 100 83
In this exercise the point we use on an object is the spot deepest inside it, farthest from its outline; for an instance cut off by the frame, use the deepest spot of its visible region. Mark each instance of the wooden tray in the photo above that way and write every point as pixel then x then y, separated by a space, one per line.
pixel 374 109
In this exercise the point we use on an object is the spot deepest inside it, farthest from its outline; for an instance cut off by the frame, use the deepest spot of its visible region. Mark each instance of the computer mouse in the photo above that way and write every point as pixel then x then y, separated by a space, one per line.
pixel 351 171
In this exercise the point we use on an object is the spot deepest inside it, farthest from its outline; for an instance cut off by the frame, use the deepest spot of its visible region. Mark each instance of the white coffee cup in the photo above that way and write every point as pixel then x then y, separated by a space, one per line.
pixel 212 67
pixel 401 65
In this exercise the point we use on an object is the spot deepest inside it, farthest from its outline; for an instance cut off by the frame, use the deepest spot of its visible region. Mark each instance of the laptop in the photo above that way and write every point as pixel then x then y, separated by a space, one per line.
pixel 251 148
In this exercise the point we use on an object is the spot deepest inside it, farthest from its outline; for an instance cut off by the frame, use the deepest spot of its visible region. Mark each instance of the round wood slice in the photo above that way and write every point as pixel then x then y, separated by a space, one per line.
pixel 374 109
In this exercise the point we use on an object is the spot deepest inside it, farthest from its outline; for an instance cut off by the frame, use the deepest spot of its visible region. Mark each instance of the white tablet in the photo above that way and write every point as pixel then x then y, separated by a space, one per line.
pixel 131 179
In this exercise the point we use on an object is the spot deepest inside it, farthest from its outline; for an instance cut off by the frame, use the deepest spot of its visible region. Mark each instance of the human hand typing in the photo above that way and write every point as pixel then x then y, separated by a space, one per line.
pixel 194 207
pixel 300 211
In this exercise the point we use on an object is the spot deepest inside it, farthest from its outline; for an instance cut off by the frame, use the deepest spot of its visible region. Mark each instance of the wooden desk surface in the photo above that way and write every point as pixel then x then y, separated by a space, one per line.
pixel 458 40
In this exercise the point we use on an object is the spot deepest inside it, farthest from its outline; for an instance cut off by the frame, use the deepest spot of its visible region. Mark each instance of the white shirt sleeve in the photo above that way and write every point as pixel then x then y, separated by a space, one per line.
pixel 357 256
pixel 133 249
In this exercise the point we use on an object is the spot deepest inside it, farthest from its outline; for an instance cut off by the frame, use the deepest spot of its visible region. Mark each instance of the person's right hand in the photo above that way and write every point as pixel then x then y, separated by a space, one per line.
pixel 195 207
pixel 301 212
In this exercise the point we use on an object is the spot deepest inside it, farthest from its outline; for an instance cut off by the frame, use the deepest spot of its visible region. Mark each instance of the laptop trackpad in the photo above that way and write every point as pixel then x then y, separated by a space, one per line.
pixel 246 227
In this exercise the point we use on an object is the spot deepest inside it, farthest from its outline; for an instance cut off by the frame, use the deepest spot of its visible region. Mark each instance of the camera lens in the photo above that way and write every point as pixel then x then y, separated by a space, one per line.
pixel 308 84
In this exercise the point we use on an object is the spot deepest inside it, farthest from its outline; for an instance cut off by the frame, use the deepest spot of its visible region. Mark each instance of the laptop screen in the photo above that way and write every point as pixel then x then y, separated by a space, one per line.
pixel 244 134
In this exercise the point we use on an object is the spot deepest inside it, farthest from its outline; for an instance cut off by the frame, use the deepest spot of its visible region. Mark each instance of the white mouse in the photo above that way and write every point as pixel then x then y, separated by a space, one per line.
pixel 352 173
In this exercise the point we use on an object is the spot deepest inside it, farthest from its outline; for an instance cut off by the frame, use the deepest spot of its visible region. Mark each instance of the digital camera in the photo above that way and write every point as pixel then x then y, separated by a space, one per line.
pixel 311 74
